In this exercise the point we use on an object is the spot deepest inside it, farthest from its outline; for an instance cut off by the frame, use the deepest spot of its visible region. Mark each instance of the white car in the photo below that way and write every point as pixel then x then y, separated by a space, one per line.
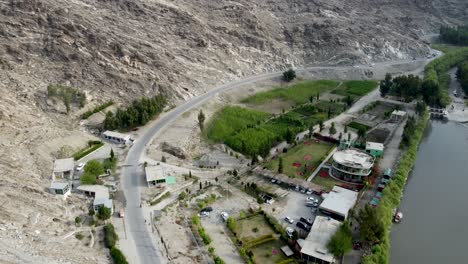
pixel 224 215
pixel 80 166
pixel 204 213
pixel 289 219
pixel 289 231
pixel 312 199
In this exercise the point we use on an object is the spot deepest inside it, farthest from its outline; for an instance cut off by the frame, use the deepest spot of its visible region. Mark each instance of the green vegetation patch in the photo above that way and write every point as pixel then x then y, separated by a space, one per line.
pixel 68 95
pixel 301 160
pixel 97 109
pixel 92 146
pixel 269 252
pixel 358 126
pixel 298 93
pixel 356 88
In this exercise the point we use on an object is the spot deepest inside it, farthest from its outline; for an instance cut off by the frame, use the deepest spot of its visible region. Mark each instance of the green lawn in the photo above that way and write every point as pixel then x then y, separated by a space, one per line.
pixel 327 183
pixel 356 88
pixel 297 93
pixel 269 252
pixel 301 160
pixel 244 228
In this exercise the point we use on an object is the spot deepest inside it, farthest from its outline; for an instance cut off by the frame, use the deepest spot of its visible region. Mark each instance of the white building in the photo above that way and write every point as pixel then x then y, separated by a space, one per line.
pixel 100 194
pixel 156 176
pixel 61 189
pixel 64 168
pixel 99 202
pixel 116 137
pixel 397 115
pixel 351 165
pixel 314 248
pixel 338 202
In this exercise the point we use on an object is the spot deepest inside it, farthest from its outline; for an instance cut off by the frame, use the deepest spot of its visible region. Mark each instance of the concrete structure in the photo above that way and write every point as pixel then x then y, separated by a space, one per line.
pixel 62 189
pixel 338 203
pixel 116 137
pixel 397 115
pixel 99 202
pixel 155 176
pixel 64 168
pixel 351 165
pixel 375 149
pixel 314 248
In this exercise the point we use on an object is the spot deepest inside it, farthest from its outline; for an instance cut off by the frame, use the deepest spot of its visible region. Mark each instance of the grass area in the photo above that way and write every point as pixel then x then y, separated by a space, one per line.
pixel 269 252
pixel 358 126
pixel 301 160
pixel 92 146
pixel 245 228
pixel 356 88
pixel 327 183
pixel 297 93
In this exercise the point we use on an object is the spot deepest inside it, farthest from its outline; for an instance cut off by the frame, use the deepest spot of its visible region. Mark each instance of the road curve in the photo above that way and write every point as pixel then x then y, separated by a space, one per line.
pixel 132 178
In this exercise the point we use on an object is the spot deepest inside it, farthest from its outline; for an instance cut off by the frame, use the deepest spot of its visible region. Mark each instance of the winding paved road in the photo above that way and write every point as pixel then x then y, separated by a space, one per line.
pixel 138 233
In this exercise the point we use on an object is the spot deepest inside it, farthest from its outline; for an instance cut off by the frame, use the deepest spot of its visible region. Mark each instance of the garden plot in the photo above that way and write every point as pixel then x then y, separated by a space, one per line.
pixel 375 113
pixel 301 160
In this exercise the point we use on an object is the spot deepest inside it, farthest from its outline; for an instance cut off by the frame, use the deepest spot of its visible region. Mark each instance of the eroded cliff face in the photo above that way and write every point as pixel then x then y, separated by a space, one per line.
pixel 123 49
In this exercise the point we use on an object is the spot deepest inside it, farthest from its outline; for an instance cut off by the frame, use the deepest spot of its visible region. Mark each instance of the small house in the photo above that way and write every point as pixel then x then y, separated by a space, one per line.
pixel 375 149
pixel 155 176
pixel 116 137
pixel 64 168
pixel 397 115
pixel 100 202
pixel 60 188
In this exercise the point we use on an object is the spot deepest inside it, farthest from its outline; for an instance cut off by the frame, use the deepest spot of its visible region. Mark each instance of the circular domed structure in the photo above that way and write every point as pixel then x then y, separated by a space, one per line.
pixel 352 165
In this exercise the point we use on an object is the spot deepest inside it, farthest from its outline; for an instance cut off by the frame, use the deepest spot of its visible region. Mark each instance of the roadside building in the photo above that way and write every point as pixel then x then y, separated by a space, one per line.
pixel 156 176
pixel 338 202
pixel 61 189
pixel 351 165
pixel 95 191
pixel 397 115
pixel 375 149
pixel 314 247
pixel 116 137
pixel 64 168
pixel 100 202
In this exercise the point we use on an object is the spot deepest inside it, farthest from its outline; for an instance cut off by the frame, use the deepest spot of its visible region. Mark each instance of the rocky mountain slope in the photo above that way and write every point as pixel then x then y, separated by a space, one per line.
pixel 122 49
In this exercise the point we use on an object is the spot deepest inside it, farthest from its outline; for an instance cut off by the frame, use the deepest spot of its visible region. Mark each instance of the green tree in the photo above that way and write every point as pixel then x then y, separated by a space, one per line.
pixel 332 129
pixel 103 213
pixel 201 185
pixel 88 178
pixel 289 136
pixel 321 125
pixel 201 119
pixel 112 155
pixel 341 242
pixel 231 224
pixel 349 101
pixel 318 96
pixel 371 227
pixel 385 85
pixel 295 235
pixel 349 136
pixel 340 136
pixel 280 165
pixel 94 167
pixel 345 129
pixel 289 75
pixel 77 220
pixel 362 133
pixel 235 173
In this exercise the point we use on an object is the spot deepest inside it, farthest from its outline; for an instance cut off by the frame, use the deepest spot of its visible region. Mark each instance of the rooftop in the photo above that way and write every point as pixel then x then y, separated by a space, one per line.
pixel 116 135
pixel 105 201
pixel 398 113
pixel 354 158
pixel 58 185
pixel 98 190
pixel 339 201
pixel 315 244
pixel 375 146
pixel 154 173
pixel 63 165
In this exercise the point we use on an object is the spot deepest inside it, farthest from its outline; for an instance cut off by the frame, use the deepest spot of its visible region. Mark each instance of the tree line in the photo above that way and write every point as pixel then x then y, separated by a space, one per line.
pixel 454 35
pixel 410 87
pixel 138 113
pixel 462 76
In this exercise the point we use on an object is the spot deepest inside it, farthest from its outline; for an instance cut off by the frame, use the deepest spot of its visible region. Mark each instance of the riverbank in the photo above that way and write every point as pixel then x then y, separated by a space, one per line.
pixel 393 192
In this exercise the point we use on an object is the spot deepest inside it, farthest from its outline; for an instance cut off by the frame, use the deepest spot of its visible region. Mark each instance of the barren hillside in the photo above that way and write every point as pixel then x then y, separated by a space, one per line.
pixel 122 49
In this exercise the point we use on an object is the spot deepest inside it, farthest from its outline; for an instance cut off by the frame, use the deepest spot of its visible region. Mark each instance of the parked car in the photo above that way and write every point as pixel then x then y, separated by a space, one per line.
pixel 312 199
pixel 310 204
pixel 306 221
pixel 80 166
pixel 121 213
pixel 357 245
pixel 289 219
pixel 303 226
pixel 207 209
pixel 224 215
pixel 296 188
pixel 309 192
pixel 273 181
pixel 204 213
pixel 289 231
pixel 303 190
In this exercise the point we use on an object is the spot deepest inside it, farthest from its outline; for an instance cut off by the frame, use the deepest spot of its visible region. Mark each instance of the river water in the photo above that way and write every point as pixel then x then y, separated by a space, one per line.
pixel 434 229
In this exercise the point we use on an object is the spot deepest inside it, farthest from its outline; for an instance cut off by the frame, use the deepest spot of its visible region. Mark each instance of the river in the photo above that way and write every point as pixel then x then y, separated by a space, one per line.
pixel 434 229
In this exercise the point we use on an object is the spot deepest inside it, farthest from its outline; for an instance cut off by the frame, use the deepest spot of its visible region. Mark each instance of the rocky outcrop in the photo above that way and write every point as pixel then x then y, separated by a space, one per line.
pixel 173 150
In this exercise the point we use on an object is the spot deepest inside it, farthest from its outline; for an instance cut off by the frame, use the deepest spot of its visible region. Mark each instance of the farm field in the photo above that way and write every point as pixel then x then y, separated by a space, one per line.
pixel 355 88
pixel 301 160
pixel 299 93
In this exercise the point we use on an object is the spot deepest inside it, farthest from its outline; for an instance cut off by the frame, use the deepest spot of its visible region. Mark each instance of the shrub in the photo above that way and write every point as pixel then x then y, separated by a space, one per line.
pixel 79 236
pixel 218 260
pixel 103 213
pixel 98 108
pixel 110 236
pixel 80 154
pixel 259 240
pixel 289 75
pixel 118 256
pixel 205 237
